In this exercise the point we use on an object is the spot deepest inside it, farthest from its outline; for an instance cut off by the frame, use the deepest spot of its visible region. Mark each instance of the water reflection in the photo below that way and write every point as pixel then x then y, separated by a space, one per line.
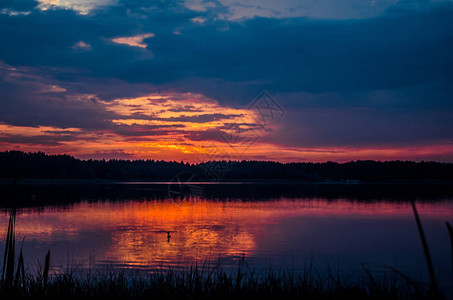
pixel 150 234
pixel 136 233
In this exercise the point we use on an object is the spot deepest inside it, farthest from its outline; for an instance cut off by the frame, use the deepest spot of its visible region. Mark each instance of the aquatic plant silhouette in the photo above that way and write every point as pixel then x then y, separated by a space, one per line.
pixel 10 246
pixel 9 281
pixel 450 234
pixel 429 261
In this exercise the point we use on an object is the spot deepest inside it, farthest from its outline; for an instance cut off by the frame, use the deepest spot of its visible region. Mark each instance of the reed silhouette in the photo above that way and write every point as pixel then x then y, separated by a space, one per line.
pixel 450 234
pixel 433 287
pixel 11 284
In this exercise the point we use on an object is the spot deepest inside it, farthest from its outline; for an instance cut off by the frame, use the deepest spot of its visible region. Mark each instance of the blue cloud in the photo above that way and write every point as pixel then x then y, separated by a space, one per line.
pixel 397 49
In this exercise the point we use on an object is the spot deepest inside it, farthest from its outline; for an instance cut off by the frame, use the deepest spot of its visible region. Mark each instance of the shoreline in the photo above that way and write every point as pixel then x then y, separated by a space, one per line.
pixel 63 181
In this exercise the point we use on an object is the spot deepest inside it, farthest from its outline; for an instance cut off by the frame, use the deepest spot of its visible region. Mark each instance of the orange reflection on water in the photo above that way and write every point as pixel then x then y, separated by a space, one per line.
pixel 134 233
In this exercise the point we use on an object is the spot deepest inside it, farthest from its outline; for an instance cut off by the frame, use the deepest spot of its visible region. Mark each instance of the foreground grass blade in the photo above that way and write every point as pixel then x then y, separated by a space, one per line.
pixel 45 274
pixel 8 258
pixel 408 279
pixel 429 261
pixel 5 256
pixel 370 276
pixel 20 270
pixel 450 233
pixel 8 265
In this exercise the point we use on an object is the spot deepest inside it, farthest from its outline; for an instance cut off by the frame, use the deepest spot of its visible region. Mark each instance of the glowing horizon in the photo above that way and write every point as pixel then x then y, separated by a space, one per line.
pixel 188 127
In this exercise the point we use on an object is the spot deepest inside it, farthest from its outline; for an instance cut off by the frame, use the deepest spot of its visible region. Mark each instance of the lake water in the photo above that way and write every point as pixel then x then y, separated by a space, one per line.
pixel 278 226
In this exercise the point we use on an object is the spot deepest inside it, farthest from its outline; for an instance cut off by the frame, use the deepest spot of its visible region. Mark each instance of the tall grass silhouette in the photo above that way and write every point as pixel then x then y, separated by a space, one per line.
pixel 429 261
pixel 450 234
pixel 10 283
pixel 10 248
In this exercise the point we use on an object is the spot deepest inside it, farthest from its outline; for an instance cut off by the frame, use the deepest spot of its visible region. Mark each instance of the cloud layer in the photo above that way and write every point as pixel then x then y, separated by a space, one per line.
pixel 372 79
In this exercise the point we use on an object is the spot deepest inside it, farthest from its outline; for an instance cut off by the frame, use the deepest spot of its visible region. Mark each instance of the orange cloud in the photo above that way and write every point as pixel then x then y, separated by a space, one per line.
pixel 189 127
pixel 133 41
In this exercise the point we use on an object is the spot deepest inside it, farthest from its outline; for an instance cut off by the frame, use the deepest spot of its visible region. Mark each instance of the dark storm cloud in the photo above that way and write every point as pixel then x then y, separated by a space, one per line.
pixel 207 135
pixel 146 130
pixel 30 98
pixel 47 140
pixel 362 127
pixel 186 108
pixel 398 49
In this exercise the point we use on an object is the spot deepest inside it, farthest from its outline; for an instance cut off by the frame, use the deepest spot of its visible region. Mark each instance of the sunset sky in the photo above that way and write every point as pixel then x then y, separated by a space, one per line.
pixel 196 80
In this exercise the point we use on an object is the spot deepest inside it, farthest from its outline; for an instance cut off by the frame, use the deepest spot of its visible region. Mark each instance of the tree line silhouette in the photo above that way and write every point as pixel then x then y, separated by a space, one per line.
pixel 40 165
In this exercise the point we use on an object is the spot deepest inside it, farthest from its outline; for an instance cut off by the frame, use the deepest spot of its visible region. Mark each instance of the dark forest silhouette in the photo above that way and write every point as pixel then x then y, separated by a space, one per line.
pixel 40 165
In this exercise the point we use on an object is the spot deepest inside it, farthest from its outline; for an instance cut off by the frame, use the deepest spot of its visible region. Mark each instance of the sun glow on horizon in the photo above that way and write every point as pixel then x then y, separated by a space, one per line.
pixel 184 127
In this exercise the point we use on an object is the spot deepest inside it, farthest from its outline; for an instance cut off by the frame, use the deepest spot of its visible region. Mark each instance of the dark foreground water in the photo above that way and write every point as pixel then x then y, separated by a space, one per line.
pixel 278 226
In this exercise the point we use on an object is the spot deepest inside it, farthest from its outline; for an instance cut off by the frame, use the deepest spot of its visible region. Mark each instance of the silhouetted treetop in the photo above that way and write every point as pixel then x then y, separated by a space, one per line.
pixel 41 165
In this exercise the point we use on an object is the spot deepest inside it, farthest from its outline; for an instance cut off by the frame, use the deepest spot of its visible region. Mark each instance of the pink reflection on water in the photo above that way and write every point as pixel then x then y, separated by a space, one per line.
pixel 134 233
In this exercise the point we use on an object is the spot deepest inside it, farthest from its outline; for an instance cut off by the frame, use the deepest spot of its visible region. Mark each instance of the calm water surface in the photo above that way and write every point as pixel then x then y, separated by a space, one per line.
pixel 129 228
